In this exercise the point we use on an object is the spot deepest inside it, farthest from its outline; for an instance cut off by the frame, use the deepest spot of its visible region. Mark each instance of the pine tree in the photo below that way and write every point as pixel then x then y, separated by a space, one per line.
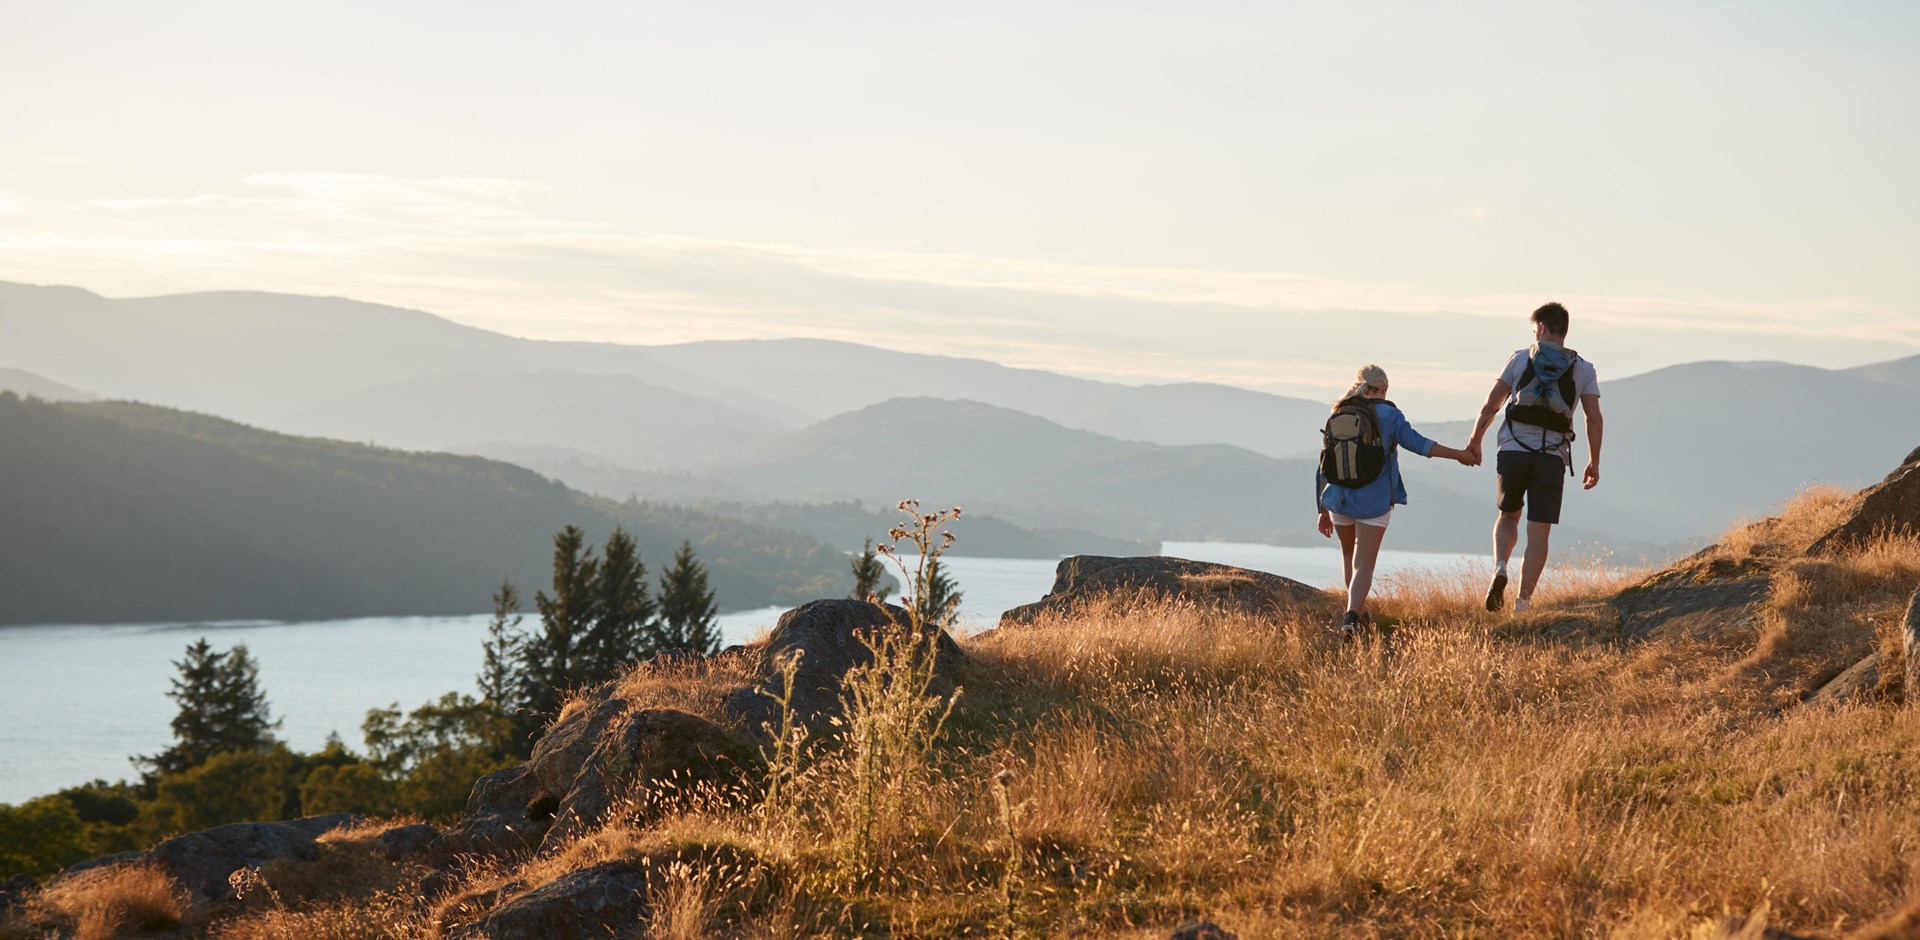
pixel 551 658
pixel 687 606
pixel 939 599
pixel 623 612
pixel 222 709
pixel 868 573
pixel 499 678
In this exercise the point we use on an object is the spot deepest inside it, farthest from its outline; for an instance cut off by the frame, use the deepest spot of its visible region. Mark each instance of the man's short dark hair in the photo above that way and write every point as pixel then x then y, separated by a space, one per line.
pixel 1553 317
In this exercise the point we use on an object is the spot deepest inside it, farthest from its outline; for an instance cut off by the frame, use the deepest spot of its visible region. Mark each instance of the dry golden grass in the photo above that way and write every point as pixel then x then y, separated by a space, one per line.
pixel 117 901
pixel 1473 775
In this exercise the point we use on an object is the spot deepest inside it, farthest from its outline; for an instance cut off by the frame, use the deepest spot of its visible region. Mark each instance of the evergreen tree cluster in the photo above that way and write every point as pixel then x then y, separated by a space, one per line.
pixel 599 618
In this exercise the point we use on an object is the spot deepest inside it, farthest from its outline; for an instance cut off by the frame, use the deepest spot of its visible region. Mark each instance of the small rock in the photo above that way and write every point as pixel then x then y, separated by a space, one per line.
pixel 496 821
pixel 1910 647
pixel 565 747
pixel 593 902
pixel 14 891
pixel 1856 683
pixel 1201 930
pixel 656 750
pixel 402 842
pixel 1084 577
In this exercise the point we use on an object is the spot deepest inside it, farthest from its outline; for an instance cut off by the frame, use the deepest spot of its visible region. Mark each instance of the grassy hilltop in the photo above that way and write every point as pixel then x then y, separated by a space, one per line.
pixel 1119 770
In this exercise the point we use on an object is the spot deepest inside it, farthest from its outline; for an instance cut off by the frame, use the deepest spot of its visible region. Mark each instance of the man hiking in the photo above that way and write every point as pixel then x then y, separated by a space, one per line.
pixel 1534 399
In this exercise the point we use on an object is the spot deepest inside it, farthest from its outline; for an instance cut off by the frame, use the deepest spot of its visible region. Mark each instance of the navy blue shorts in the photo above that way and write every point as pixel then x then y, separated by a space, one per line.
pixel 1538 480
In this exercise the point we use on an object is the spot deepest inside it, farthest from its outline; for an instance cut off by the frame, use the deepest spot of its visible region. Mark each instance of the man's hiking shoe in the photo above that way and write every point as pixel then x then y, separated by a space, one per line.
pixel 1497 591
pixel 1521 605
pixel 1350 627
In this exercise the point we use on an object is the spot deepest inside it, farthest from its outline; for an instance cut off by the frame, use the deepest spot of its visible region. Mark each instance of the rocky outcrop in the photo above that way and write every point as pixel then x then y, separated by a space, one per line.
pixel 827 635
pixel 1084 577
pixel 1692 599
pixel 1890 506
pixel 613 755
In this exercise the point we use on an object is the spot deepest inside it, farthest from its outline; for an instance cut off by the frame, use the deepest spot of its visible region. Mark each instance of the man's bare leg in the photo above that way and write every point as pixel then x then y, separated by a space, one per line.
pixel 1539 534
pixel 1506 534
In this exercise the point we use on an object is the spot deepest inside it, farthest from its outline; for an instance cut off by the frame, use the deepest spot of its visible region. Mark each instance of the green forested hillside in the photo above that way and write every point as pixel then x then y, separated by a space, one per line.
pixel 112 511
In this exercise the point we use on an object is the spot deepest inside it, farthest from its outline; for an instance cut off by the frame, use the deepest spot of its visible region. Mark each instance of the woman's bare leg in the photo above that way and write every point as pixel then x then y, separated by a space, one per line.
pixel 1345 532
pixel 1366 550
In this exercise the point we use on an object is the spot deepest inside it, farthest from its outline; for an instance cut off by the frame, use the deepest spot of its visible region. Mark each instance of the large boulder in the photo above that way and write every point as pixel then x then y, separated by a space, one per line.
pixel 1083 578
pixel 1892 506
pixel 502 816
pixel 649 760
pixel 203 861
pixel 828 636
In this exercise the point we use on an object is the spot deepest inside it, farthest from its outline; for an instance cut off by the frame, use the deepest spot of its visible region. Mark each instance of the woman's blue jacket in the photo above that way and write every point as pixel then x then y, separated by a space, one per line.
pixel 1387 490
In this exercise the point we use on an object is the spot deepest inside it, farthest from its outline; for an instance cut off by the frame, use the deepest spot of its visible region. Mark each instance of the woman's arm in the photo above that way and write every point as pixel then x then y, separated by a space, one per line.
pixel 1466 458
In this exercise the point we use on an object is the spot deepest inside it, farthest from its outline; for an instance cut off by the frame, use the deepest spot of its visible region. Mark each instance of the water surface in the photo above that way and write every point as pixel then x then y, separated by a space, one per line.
pixel 81 699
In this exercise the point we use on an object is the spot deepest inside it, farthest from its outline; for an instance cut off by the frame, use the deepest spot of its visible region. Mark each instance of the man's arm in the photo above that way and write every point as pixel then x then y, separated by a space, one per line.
pixel 1596 426
pixel 1488 412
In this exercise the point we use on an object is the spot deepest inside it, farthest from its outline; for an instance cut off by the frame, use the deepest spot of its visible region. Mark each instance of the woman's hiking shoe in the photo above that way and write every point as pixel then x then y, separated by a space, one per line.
pixel 1350 627
pixel 1521 605
pixel 1497 591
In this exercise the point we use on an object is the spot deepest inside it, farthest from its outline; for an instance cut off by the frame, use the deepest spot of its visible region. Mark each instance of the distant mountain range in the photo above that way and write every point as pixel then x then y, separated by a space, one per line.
pixel 119 512
pixel 1689 448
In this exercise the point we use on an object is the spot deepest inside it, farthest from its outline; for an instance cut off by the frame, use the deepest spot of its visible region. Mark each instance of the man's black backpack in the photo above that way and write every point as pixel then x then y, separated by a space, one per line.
pixel 1545 403
pixel 1351 453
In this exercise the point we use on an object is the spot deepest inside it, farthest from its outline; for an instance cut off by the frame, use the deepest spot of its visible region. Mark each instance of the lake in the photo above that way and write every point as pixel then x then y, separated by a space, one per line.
pixel 80 700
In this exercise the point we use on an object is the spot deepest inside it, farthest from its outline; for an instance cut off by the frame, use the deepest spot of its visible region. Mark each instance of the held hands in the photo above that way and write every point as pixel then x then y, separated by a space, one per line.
pixel 1473 451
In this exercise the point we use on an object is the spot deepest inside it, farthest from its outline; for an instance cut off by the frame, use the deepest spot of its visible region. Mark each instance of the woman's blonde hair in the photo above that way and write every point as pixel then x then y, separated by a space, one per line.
pixel 1370 376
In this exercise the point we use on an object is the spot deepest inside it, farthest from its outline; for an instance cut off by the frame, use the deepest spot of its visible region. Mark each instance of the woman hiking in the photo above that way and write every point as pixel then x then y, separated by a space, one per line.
pixel 1359 483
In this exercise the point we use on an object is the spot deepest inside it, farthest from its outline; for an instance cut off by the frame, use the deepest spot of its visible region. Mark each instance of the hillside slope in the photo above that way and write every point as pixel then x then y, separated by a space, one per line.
pixel 122 512
pixel 25 384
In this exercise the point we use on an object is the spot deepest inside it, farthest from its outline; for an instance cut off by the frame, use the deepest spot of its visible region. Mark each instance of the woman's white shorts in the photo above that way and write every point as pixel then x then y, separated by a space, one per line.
pixel 1379 521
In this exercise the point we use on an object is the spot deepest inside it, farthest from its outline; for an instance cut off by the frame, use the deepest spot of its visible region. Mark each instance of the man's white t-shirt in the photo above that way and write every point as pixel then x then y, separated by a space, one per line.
pixel 1585 382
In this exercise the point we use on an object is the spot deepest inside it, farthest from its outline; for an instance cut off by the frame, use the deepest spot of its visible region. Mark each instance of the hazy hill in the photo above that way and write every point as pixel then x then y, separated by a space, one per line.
pixel 124 512
pixel 1902 372
pixel 825 378
pixel 267 358
pixel 616 416
pixel 24 383
pixel 1016 466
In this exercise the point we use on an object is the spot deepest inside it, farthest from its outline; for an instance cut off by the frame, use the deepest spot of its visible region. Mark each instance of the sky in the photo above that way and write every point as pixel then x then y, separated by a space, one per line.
pixel 1264 194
